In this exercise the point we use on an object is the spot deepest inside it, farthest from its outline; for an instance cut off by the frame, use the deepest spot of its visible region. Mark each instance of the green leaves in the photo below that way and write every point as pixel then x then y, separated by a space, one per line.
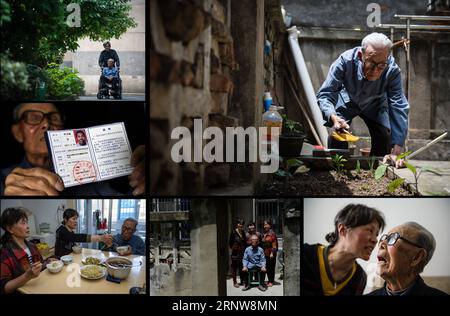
pixel 410 167
pixel 282 173
pixel 395 184
pixel 37 33
pixel 381 170
pixel 293 163
pixel 371 162
pixel 403 155
pixel 63 82
pixel 358 167
pixel 338 162
pixel 291 126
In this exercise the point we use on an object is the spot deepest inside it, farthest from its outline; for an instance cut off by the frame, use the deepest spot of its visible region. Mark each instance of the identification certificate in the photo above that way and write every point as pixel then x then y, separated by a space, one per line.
pixel 91 154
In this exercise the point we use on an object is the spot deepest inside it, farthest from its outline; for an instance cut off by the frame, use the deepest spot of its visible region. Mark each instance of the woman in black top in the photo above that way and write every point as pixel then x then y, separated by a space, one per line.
pixel 237 244
pixel 66 237
pixel 332 269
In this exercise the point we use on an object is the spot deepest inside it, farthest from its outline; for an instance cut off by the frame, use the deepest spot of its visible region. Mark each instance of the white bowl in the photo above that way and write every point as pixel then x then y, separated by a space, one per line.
pixel 67 259
pixel 122 249
pixel 55 266
pixel 76 249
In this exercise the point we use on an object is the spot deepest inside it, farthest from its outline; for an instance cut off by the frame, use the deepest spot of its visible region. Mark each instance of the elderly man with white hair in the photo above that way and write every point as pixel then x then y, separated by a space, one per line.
pixel 365 81
pixel 403 253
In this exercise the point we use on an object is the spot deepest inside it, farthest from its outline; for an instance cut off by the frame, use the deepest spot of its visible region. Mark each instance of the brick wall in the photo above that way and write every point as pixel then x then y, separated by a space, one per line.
pixel 191 64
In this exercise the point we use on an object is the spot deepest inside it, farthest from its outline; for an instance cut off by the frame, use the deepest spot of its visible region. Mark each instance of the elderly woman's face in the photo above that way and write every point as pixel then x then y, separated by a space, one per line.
pixel 395 260
pixel 361 240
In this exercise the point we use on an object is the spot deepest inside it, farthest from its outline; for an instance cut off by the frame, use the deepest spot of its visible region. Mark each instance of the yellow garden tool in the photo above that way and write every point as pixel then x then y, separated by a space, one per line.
pixel 346 136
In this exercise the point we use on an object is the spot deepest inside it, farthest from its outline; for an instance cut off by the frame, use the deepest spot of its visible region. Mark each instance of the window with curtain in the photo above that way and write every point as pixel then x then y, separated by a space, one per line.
pixel 115 211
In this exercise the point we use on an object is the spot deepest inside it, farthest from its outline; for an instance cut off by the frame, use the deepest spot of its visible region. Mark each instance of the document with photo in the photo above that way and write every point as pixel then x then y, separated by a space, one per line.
pixel 93 154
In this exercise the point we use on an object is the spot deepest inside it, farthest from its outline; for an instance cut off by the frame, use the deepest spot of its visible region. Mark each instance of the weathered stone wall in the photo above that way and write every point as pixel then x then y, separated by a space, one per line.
pixel 291 247
pixel 191 60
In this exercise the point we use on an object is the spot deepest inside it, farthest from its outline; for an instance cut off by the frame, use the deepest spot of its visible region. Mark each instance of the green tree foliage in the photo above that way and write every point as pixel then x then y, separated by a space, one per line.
pixel 38 33
pixel 64 82
pixel 14 78
pixel 5 12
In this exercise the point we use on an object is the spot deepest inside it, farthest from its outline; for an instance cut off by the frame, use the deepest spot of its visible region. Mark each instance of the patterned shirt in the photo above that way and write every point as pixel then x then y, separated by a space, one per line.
pixel 15 261
pixel 270 243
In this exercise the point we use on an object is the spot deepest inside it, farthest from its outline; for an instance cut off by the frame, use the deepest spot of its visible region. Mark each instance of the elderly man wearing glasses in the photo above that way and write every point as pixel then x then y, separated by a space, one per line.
pixel 403 253
pixel 33 177
pixel 365 81
pixel 136 245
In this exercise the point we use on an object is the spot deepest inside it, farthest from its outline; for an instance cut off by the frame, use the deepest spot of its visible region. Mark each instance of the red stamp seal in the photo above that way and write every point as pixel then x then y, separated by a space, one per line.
pixel 84 172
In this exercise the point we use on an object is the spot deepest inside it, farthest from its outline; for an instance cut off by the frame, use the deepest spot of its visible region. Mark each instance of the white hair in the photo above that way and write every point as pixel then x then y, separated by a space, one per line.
pixel 377 40
pixel 425 239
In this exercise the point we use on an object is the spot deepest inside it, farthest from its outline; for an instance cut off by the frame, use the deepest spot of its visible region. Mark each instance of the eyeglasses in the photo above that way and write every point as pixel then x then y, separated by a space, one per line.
pixel 128 228
pixel 372 65
pixel 34 117
pixel 392 239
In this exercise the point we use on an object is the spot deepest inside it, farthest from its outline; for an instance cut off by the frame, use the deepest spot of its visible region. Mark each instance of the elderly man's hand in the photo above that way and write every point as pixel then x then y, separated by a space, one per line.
pixel 392 157
pixel 244 269
pixel 33 181
pixel 107 239
pixel 339 123
pixel 137 177
pixel 263 269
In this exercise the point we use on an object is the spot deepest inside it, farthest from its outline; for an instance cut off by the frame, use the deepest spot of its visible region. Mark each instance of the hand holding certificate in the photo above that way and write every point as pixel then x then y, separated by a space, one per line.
pixel 98 153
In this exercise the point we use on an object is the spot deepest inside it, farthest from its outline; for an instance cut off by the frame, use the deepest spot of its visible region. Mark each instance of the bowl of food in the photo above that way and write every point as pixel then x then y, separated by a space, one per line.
pixel 92 272
pixel 91 260
pixel 55 266
pixel 122 250
pixel 118 267
pixel 76 249
pixel 67 259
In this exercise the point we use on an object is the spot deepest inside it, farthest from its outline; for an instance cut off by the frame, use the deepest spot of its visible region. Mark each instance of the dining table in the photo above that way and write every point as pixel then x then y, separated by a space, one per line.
pixel 70 281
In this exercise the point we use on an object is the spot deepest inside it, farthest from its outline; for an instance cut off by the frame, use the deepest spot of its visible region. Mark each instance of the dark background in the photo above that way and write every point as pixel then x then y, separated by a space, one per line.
pixel 80 114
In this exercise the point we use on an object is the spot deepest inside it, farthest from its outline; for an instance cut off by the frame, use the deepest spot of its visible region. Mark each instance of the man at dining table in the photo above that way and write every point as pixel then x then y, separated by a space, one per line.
pixel 136 246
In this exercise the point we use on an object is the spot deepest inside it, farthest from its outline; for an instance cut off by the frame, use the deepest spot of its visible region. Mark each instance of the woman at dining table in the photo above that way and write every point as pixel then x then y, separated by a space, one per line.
pixel 20 259
pixel 66 236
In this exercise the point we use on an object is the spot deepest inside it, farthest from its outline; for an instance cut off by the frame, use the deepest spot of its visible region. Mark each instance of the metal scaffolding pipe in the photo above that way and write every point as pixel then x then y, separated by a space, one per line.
pixel 422 17
pixel 415 27
pixel 305 79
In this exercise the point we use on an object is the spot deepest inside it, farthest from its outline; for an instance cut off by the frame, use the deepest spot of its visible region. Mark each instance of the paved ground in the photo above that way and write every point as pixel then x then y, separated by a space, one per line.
pixel 275 290
pixel 233 189
pixel 125 97
pixel 429 183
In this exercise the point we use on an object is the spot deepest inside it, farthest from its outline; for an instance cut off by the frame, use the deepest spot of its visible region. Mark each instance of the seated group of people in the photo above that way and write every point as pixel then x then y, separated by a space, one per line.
pixel 21 260
pixel 251 260
pixel 402 255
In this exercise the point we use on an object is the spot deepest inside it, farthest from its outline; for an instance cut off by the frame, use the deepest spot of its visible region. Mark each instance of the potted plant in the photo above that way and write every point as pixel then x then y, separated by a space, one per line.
pixel 291 138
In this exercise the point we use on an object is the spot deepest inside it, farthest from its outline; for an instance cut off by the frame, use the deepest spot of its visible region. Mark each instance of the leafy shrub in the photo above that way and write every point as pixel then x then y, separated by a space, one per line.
pixel 63 83
pixel 14 79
